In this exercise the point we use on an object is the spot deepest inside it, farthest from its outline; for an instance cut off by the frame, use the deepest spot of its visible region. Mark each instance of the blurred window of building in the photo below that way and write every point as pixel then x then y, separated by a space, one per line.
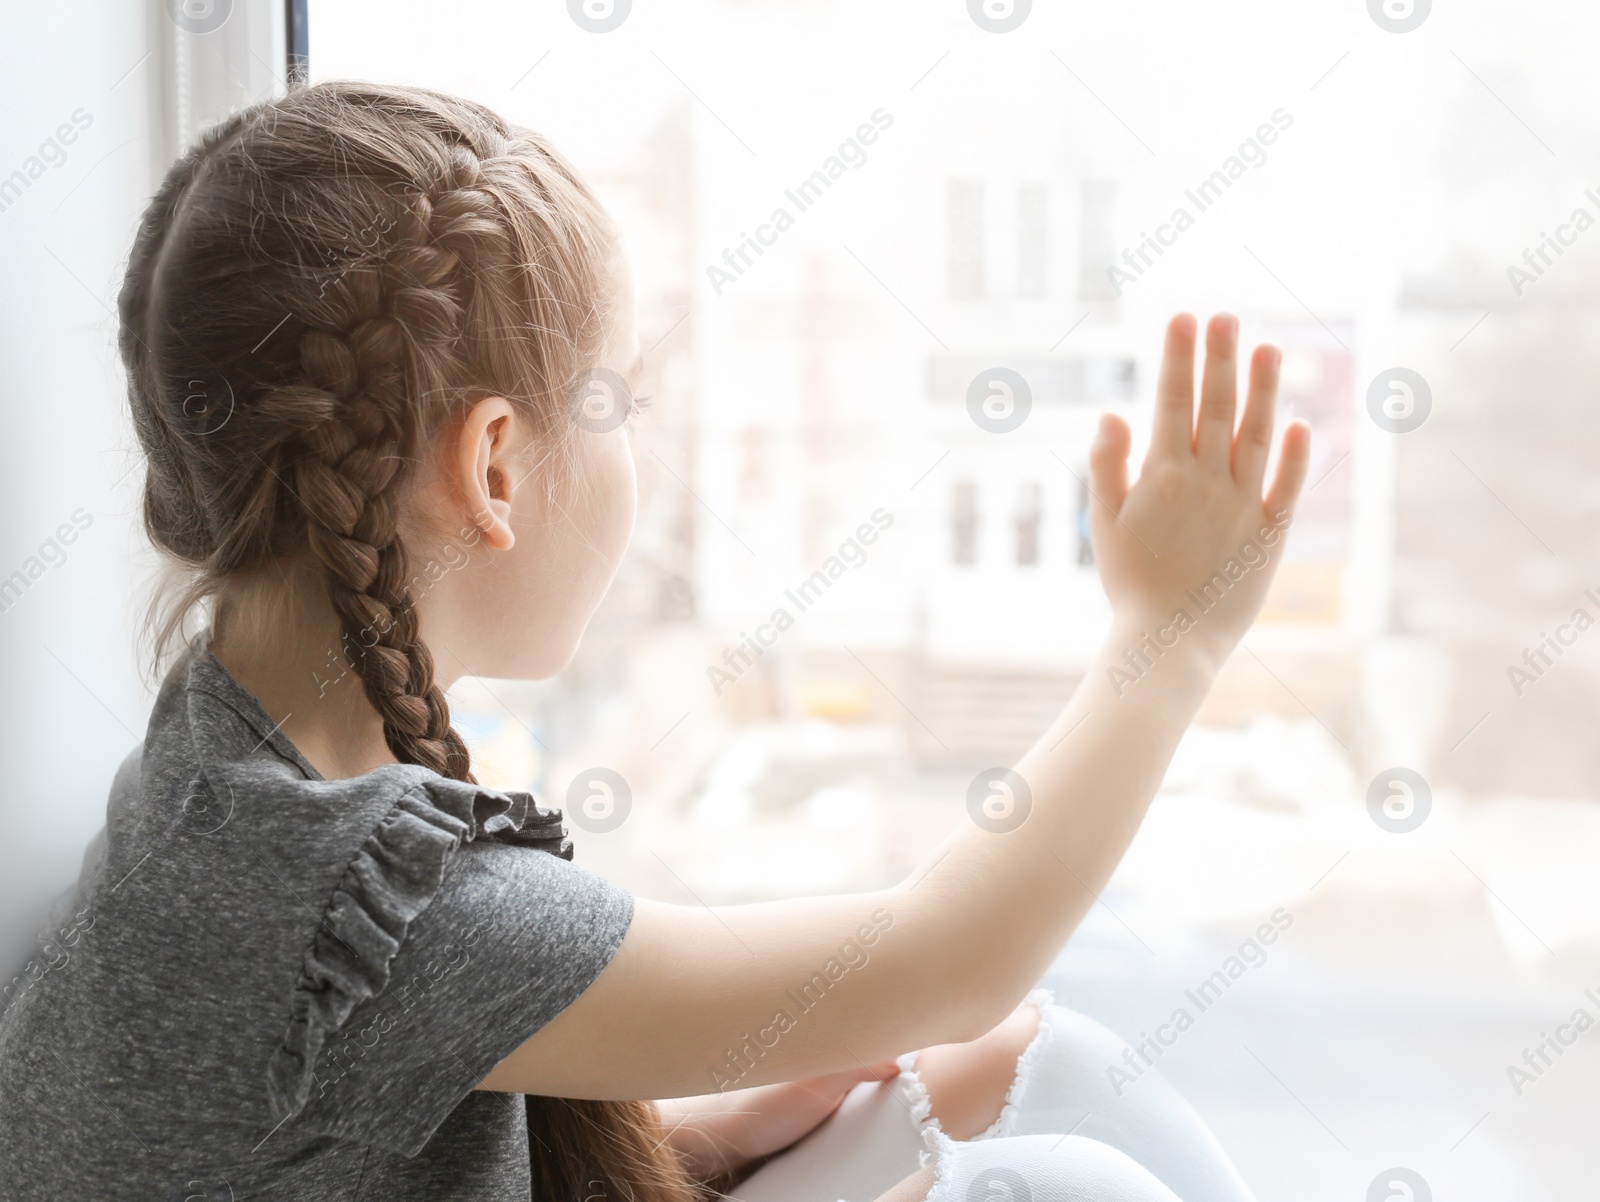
pixel 964 523
pixel 1029 517
pixel 966 239
pixel 1033 240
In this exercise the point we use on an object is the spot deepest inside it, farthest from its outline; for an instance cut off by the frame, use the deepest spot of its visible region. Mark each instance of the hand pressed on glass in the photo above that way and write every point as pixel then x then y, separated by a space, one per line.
pixel 1198 499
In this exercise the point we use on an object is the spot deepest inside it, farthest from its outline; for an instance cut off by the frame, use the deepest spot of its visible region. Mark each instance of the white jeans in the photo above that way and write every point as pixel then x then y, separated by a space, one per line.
pixel 1066 1133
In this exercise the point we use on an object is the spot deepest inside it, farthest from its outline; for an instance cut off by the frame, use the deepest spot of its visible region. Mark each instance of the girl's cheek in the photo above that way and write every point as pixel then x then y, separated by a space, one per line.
pixel 629 491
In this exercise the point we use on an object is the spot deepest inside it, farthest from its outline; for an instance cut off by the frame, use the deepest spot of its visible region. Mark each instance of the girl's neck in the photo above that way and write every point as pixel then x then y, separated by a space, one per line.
pixel 280 640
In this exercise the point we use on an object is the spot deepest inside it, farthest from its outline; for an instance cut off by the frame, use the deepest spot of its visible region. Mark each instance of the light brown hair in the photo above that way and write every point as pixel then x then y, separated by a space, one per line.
pixel 317 286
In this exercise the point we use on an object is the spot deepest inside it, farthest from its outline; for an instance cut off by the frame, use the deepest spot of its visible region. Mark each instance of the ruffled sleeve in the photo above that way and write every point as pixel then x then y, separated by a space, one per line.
pixel 392 882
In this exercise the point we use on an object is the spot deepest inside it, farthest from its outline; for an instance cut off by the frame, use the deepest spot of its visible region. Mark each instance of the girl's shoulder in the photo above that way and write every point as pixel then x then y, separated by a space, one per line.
pixel 370 852
pixel 340 958
pixel 213 759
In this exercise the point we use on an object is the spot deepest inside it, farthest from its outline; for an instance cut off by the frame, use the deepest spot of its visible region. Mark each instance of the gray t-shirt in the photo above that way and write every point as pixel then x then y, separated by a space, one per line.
pixel 271 985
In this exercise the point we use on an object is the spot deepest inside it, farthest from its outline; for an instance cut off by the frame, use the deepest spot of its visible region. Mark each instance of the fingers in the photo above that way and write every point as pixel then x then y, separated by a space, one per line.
pixel 1218 390
pixel 1254 442
pixel 1173 433
pixel 1211 437
pixel 1291 470
pixel 1108 465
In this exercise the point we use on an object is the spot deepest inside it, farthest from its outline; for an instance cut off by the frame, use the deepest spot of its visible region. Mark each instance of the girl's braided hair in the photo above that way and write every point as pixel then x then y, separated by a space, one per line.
pixel 316 287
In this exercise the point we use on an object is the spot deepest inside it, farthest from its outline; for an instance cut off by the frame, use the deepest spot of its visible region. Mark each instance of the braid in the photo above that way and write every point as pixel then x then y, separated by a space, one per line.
pixel 349 476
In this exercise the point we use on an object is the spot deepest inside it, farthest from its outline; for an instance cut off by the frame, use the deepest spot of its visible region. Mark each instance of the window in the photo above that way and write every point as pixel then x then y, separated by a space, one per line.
pixel 1085 546
pixel 1033 240
pixel 964 523
pixel 1097 248
pixel 1029 516
pixel 966 239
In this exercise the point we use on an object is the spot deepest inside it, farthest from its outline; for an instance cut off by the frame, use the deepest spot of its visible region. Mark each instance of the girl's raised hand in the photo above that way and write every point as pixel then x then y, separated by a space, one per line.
pixel 1187 552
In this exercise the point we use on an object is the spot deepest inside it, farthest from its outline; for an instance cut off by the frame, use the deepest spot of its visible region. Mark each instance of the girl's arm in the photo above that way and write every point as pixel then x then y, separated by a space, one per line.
pixel 700 999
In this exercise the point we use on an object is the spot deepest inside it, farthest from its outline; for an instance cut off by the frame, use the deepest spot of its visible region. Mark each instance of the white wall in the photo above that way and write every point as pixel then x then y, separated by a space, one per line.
pixel 73 701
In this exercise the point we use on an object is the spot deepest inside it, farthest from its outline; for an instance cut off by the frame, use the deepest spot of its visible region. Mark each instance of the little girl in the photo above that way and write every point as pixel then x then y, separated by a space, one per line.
pixel 309 958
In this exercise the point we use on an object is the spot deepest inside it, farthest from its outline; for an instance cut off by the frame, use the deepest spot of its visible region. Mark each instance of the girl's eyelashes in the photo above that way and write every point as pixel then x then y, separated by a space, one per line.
pixel 640 404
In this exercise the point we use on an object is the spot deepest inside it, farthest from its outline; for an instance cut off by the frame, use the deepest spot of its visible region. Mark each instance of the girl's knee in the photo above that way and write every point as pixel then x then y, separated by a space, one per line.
pixel 968 1084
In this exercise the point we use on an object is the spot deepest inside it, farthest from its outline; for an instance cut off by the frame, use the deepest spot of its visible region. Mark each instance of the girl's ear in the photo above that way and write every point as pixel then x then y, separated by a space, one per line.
pixel 485 470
